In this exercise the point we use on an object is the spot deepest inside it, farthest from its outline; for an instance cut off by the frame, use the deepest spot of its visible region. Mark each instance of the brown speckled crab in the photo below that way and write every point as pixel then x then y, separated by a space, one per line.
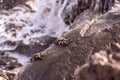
pixel 36 57
pixel 62 41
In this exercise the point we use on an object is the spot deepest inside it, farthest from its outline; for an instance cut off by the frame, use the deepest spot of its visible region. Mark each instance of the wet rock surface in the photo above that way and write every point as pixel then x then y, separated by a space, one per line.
pixel 98 72
pixel 103 66
pixel 36 45
pixel 70 14
pixel 7 65
pixel 8 4
pixel 93 54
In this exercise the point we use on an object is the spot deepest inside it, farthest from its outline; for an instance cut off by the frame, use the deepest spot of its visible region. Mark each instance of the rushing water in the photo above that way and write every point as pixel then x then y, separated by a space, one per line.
pixel 21 58
pixel 22 24
pixel 25 24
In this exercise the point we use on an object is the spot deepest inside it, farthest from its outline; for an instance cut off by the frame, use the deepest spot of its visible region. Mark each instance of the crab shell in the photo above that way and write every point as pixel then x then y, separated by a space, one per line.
pixel 37 57
pixel 61 42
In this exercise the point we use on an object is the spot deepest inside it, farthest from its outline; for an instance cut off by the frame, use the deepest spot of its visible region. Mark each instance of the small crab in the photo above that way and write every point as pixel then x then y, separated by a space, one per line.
pixel 62 41
pixel 36 57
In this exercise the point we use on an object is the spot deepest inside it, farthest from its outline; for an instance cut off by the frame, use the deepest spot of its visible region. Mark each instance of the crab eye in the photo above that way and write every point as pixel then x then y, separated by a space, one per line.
pixel 60 43
pixel 32 59
pixel 36 57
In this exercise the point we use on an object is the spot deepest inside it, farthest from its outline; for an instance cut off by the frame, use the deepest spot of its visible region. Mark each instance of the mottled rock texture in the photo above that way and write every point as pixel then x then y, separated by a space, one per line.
pixel 98 6
pixel 36 45
pixel 64 62
pixel 8 4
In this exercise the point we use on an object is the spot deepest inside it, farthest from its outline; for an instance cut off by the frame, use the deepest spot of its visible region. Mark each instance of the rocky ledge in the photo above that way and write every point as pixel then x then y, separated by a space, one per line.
pixel 7 66
pixel 93 53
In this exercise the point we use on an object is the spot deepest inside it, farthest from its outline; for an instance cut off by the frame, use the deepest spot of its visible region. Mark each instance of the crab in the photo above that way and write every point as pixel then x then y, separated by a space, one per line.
pixel 36 57
pixel 62 41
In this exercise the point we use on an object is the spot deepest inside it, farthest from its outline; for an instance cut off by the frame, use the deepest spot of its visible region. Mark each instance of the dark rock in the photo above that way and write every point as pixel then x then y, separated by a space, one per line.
pixel 7 75
pixel 7 67
pixel 2 53
pixel 69 14
pixel 2 63
pixel 12 66
pixel 61 62
pixel 9 4
pixel 98 72
pixel 9 63
pixel 116 57
pixel 36 45
pixel 8 43
pixel 12 27
pixel 100 67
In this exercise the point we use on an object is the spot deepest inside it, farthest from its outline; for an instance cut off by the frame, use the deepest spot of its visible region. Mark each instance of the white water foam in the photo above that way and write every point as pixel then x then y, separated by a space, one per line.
pixel 22 24
pixel 46 20
pixel 21 58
